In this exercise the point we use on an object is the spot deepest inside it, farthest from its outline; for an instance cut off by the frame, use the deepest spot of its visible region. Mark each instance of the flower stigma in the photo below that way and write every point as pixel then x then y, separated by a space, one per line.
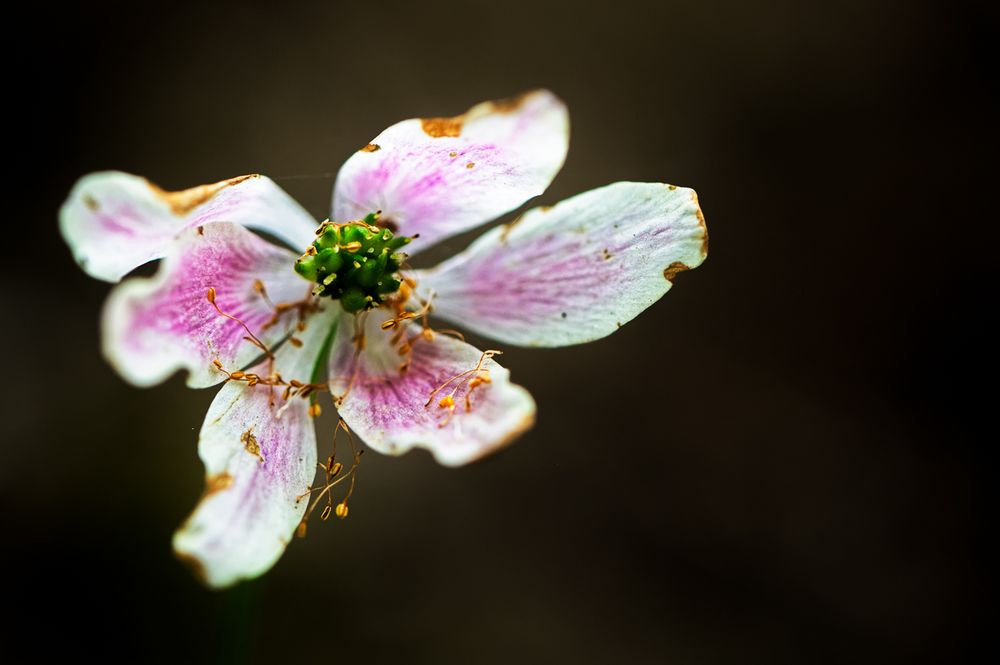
pixel 355 262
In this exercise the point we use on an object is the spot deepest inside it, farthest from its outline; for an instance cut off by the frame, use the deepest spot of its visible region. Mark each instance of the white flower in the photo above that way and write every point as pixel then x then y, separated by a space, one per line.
pixel 224 298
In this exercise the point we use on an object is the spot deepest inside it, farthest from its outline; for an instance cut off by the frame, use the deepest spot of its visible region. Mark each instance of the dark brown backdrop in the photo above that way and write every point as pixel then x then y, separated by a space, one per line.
pixel 778 463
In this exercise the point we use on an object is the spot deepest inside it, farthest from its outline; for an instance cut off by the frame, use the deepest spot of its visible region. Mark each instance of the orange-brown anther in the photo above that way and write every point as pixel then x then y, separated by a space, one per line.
pixel 333 477
pixel 470 379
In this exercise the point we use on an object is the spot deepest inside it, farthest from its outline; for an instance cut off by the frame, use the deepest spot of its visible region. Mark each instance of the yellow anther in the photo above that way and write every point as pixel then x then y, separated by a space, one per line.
pixel 315 410
pixel 479 380
pixel 469 380
pixel 334 476
pixel 352 246
pixel 237 375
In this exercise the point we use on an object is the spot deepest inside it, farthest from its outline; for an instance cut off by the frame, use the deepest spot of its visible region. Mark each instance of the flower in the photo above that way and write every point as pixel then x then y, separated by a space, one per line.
pixel 230 307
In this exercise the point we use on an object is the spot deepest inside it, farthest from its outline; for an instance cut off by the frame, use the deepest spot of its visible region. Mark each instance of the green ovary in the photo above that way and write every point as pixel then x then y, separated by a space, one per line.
pixel 355 263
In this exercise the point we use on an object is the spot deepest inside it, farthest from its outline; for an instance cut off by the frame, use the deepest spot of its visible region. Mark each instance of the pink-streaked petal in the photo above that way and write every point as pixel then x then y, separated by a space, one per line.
pixel 260 456
pixel 441 176
pixel 388 408
pixel 155 326
pixel 114 222
pixel 575 272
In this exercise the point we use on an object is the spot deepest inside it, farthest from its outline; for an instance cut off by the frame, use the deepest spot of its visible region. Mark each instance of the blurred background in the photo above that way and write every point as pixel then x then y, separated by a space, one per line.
pixel 780 462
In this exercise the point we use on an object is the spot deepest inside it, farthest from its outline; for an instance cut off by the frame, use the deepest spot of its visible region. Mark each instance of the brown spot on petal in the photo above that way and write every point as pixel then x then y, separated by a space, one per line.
pixel 184 201
pixel 217 483
pixel 672 187
pixel 371 147
pixel 510 104
pixel 701 222
pixel 606 254
pixel 439 127
pixel 194 564
pixel 249 442
pixel 671 271
pixel 470 165
pixel 90 202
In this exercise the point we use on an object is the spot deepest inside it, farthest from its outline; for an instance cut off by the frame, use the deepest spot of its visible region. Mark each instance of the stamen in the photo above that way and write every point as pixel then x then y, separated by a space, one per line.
pixel 258 286
pixel 293 388
pixel 470 379
pixel 333 475
pixel 251 337
pixel 359 346
pixel 303 307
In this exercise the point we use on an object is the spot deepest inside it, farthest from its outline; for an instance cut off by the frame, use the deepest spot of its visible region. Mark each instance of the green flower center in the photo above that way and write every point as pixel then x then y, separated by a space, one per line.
pixel 355 263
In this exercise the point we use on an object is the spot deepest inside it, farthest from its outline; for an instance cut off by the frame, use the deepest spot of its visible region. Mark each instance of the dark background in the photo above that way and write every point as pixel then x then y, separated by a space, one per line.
pixel 781 462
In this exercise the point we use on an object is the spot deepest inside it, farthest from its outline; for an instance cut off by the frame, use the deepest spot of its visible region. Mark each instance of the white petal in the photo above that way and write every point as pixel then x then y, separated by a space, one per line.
pixel 260 455
pixel 154 326
pixel 440 176
pixel 575 272
pixel 114 222
pixel 389 408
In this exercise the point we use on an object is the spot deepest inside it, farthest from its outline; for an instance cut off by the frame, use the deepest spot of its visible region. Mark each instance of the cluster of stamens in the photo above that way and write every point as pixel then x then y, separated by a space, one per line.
pixel 470 379
pixel 340 261
pixel 334 475
pixel 333 470
pixel 355 263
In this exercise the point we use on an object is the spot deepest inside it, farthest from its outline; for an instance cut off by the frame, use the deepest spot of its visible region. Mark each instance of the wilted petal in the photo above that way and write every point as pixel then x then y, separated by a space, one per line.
pixel 389 408
pixel 153 327
pixel 575 272
pixel 260 456
pixel 441 176
pixel 114 221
